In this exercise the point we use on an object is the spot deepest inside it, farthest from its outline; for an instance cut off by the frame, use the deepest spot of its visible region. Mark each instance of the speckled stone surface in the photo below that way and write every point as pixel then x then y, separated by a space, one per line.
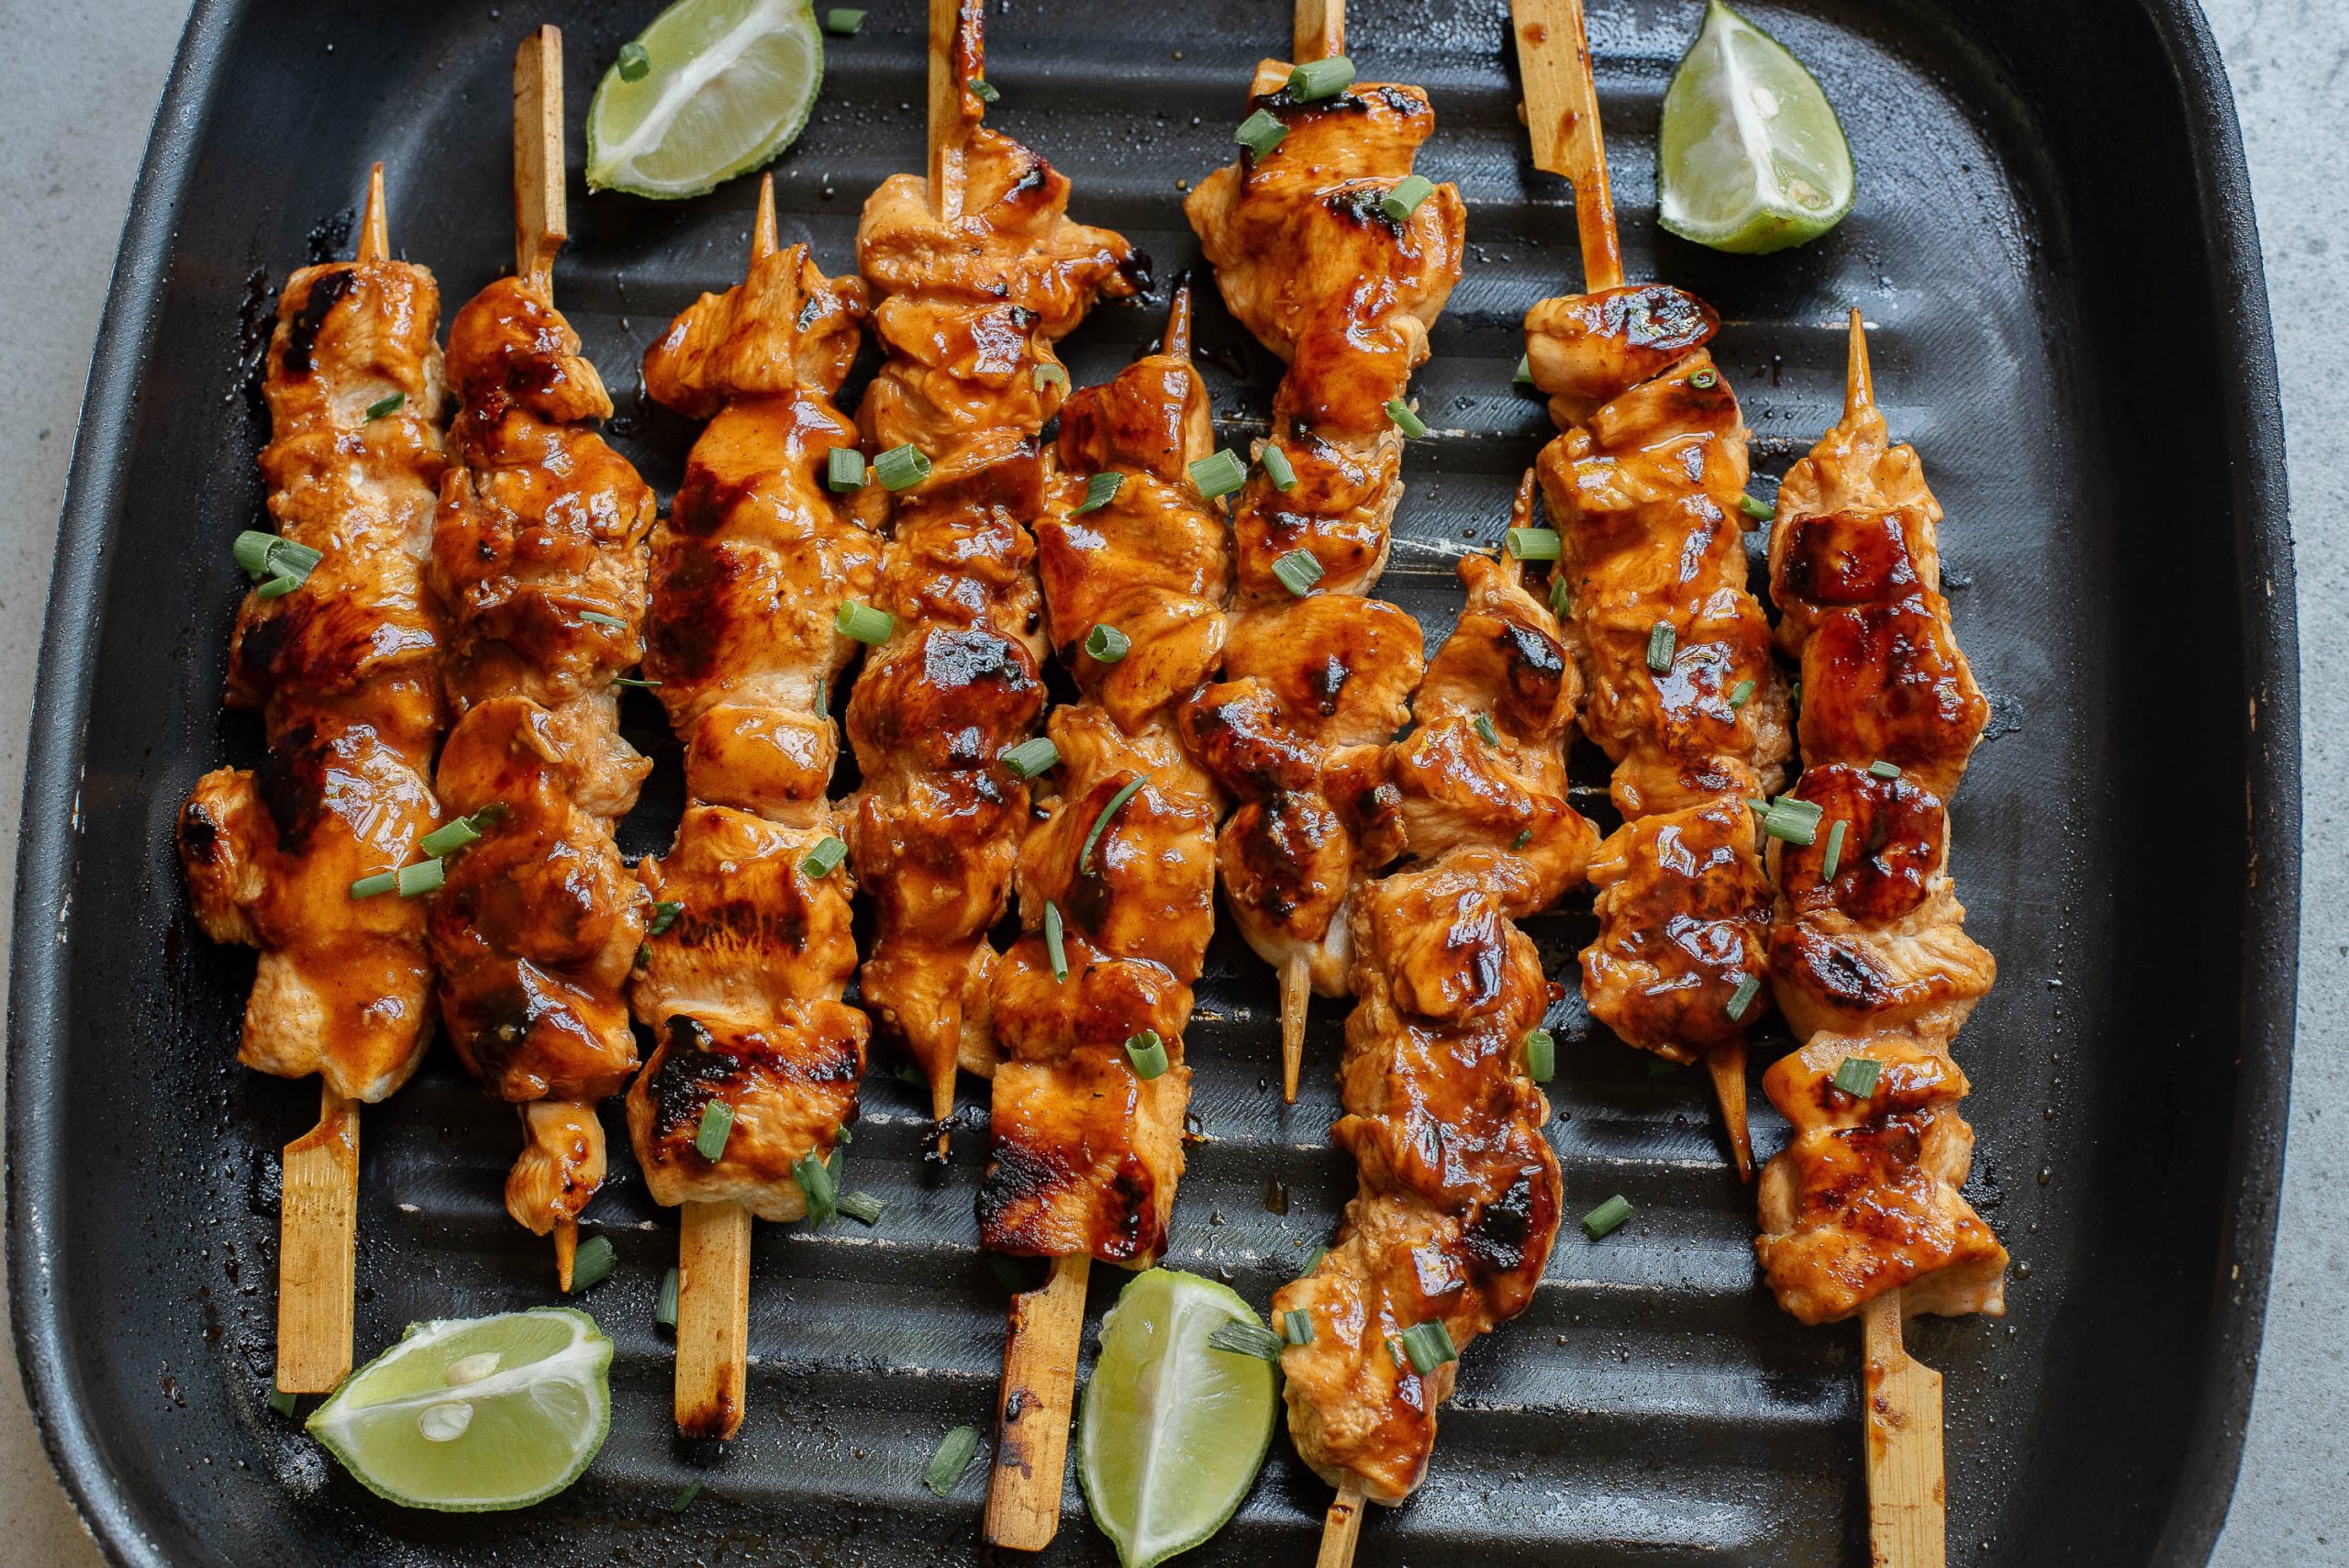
pixel 82 87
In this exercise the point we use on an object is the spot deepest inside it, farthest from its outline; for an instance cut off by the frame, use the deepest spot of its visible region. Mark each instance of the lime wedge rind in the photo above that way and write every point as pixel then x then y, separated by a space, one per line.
pixel 1751 157
pixel 731 83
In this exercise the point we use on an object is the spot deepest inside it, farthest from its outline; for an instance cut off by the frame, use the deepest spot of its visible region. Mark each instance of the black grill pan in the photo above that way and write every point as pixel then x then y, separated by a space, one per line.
pixel 2053 239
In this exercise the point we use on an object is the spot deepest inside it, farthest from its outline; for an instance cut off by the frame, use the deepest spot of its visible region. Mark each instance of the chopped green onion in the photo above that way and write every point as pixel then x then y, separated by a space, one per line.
pixel 1297 1326
pixel 1662 640
pixel 1536 544
pixel 1299 571
pixel 1562 598
pixel 592 1263
pixel 1032 757
pixel 638 682
pixel 449 837
pixel 369 886
pixel 388 406
pixel 717 1126
pixel 664 915
pixel 861 1206
pixel 1704 381
pixel 251 551
pixel 1524 376
pixel 1277 468
pixel 1320 78
pixel 664 1307
pixel 1260 133
pixel 864 623
pixel 817 1186
pixel 1105 644
pixel 1834 850
pixel 1100 491
pixel 1857 1075
pixel 1485 730
pixel 1524 837
pixel 686 1498
pixel 1428 1345
pixel 1410 424
pixel 1541 1055
pixel 1243 1337
pixel 1789 818
pixel 598 617
pixel 635 61
pixel 1049 375
pixel 1219 475
pixel 1084 858
pixel 280 1402
pixel 1055 948
pixel 844 469
pixel 901 466
pixel 824 858
pixel 1607 1218
pixel 1748 987
pixel 277 566
pixel 1404 200
pixel 1314 1263
pixel 276 588
pixel 1793 695
pixel 1148 1053
pixel 644 955
pixel 1885 769
pixel 844 22
pixel 984 90
pixel 1760 511
pixel 1740 695
pixel 954 1456
pixel 423 877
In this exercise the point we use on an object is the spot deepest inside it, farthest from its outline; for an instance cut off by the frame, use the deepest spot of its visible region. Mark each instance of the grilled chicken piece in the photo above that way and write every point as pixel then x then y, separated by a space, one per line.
pixel 1865 1199
pixel 791 1084
pixel 344 670
pixel 539 553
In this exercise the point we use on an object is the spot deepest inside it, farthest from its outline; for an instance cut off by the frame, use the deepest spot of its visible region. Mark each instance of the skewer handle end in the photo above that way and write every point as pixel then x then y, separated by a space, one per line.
pixel 1902 1448
pixel 1321 29
pixel 1045 1329
pixel 1562 115
pixel 318 1250
pixel 540 219
pixel 957 55
pixel 1341 1526
pixel 713 1318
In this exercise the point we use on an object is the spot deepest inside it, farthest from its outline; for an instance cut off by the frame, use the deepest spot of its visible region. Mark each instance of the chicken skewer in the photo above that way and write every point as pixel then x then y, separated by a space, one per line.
pixel 976 272
pixel 1646 486
pixel 539 554
pixel 755 1080
pixel 338 649
pixel 1460 1192
pixel 1339 260
pixel 1117 896
pixel 1861 1215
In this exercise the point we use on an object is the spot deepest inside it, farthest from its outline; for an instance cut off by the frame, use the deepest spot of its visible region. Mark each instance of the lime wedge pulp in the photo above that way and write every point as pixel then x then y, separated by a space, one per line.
pixel 1172 1429
pixel 728 85
pixel 1751 157
pixel 468 1415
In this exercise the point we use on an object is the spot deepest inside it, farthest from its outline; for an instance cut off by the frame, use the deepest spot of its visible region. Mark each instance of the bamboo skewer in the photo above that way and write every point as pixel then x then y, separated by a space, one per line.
pixel 1034 1406
pixel 1340 1527
pixel 318 1245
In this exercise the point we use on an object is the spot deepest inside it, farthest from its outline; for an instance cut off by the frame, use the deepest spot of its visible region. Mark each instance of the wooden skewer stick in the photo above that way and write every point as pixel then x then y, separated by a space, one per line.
pixel 957 58
pixel 1297 994
pixel 1726 1064
pixel 1038 1396
pixel 1321 29
pixel 1341 1526
pixel 317 1234
pixel 1561 113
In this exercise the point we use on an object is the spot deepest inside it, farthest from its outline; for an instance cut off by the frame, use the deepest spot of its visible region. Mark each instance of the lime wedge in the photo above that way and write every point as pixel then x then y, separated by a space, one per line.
pixel 721 87
pixel 467 1415
pixel 1172 1430
pixel 1751 157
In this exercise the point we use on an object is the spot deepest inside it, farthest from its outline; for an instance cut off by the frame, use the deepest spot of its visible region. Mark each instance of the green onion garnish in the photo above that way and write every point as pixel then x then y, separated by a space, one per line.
pixel 984 90
pixel 1084 856
pixel 1032 757
pixel 1055 948
pixel 1536 544
pixel 1148 1053
pixel 1260 133
pixel 1748 987
pixel 278 565
pixel 861 1206
pixel 369 886
pixel 717 1126
pixel 1277 468
pixel 1857 1075
pixel 901 466
pixel 1760 511
pixel 1049 375
pixel 1320 78
pixel 1794 693
pixel 1297 1326
pixel 1834 850
pixel 1662 640
pixel 1885 769
pixel 643 955
pixel 1788 818
pixel 252 550
pixel 1220 475
pixel 1524 376
pixel 1105 644
pixel 664 1307
pixel 388 406
pixel 1524 837
pixel 449 837
pixel 1299 571
pixel 864 623
pixel 844 469
pixel 842 22
pixel 1243 1337
pixel 1314 1263
pixel 634 61
pixel 1740 695
pixel 1704 381
pixel 824 858
pixel 598 617
pixel 1608 1217
pixel 664 915
pixel 592 1263
pixel 954 1457
pixel 1410 424
pixel 1541 1055
pixel 1562 598
pixel 423 877
pixel 1485 730
pixel 686 1498
pixel 819 1187
pixel 1428 1345
pixel 1100 491
pixel 280 1402
pixel 1405 198
pixel 638 682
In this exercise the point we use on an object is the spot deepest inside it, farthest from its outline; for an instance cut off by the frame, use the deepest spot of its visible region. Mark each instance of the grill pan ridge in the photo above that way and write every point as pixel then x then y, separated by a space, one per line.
pixel 2054 248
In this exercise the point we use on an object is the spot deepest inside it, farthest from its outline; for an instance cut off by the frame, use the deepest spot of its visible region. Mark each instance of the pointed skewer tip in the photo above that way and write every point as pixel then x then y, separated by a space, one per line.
pixel 763 242
pixel 1859 383
pixel 375 235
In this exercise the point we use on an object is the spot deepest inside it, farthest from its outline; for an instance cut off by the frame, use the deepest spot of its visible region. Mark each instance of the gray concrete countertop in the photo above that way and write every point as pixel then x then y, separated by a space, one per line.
pixel 83 84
